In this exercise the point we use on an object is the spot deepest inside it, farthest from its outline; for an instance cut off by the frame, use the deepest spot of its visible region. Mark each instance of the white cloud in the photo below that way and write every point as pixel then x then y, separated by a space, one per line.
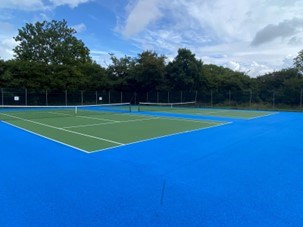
pixel 7 43
pixel 70 3
pixel 30 5
pixel 6 48
pixel 141 15
pixel 220 32
pixel 36 5
pixel 234 65
pixel 103 57
pixel 284 29
pixel 79 27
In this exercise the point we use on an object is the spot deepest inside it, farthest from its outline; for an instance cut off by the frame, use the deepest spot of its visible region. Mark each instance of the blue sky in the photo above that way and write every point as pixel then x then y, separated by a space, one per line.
pixel 253 36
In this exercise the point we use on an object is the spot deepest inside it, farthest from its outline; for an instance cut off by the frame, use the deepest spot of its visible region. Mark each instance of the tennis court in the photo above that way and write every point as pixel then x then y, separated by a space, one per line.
pixel 186 171
pixel 191 108
pixel 97 127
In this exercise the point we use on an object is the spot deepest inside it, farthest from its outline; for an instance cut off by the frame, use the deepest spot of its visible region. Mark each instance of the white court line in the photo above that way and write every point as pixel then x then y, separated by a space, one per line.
pixel 45 137
pixel 239 111
pixel 263 116
pixel 75 115
pixel 110 123
pixel 159 137
pixel 191 120
pixel 214 112
pixel 145 119
pixel 119 144
pixel 190 111
pixel 95 118
pixel 64 114
pixel 205 113
pixel 62 129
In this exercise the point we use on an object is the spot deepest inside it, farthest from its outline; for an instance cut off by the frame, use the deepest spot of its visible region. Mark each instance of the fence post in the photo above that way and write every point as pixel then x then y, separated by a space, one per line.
pixel 301 98
pixel 66 97
pixel 157 97
pixel 25 96
pixel 96 97
pixel 211 98
pixel 181 96
pixel 109 97
pixel 82 98
pixel 121 97
pixel 46 97
pixel 250 98
pixel 2 96
pixel 167 96
pixel 229 97
pixel 135 98
pixel 273 99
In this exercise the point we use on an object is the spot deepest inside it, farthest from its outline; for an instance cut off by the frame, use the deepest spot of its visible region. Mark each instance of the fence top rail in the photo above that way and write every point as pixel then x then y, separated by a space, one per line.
pixel 166 103
pixel 60 106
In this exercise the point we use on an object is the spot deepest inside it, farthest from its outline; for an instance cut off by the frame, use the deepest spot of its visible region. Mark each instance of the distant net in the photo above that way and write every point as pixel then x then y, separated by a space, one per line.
pixel 163 107
pixel 36 112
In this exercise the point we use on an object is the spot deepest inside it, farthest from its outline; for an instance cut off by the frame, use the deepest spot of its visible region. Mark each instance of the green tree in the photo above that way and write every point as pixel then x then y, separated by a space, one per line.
pixel 149 71
pixel 298 62
pixel 185 71
pixel 227 85
pixel 121 73
pixel 50 43
pixel 285 85
pixel 97 78
pixel 5 75
pixel 21 74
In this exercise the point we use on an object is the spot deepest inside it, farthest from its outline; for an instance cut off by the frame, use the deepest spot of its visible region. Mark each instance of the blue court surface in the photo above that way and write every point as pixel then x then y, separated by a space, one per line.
pixel 246 173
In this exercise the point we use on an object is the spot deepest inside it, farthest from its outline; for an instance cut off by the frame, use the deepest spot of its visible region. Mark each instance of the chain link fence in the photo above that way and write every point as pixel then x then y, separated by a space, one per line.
pixel 248 99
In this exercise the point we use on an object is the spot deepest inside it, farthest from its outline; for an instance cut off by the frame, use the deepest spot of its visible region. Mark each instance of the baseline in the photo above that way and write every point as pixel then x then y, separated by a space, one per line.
pixel 62 129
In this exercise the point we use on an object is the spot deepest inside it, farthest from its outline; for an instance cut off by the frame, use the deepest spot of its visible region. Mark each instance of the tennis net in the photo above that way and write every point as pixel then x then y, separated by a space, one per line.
pixel 163 107
pixel 37 112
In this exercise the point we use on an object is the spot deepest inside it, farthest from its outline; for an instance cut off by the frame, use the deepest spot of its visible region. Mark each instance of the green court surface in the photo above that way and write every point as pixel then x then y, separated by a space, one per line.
pixel 242 114
pixel 191 110
pixel 93 130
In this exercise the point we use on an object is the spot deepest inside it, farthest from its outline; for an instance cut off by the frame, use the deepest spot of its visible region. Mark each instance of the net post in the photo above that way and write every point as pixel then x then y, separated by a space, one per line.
pixel 66 97
pixel 139 107
pixel 108 97
pixel 196 96
pixel 157 96
pixel 81 97
pixel 121 97
pixel 76 109
pixel 147 96
pixel 96 97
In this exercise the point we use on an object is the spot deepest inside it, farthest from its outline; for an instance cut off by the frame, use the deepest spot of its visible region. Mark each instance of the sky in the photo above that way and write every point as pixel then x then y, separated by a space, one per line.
pixel 252 36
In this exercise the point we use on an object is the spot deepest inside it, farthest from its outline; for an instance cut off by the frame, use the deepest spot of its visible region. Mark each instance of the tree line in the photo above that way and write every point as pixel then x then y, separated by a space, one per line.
pixel 49 56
